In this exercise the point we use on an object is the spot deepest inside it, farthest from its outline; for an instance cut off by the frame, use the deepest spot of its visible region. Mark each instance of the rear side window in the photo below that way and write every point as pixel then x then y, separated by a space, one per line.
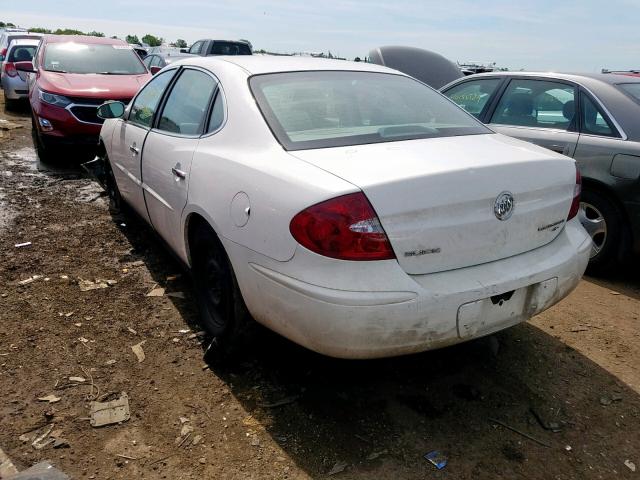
pixel 145 104
pixel 593 120
pixel 22 53
pixel 196 48
pixel 187 104
pixel 473 96
pixel 537 103
pixel 632 89
pixel 318 109
pixel 217 113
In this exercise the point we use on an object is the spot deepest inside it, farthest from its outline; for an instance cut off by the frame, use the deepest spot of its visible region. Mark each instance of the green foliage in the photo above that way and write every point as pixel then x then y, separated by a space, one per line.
pixel 132 39
pixel 68 31
pixel 39 30
pixel 2 24
pixel 151 40
pixel 180 43
pixel 9 24
pixel 95 34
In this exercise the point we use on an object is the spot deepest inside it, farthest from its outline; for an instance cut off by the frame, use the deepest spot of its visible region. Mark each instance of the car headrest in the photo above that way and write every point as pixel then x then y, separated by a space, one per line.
pixel 520 104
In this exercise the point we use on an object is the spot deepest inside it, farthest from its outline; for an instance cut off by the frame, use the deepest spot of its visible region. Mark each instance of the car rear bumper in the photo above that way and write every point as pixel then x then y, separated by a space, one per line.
pixel 14 87
pixel 374 309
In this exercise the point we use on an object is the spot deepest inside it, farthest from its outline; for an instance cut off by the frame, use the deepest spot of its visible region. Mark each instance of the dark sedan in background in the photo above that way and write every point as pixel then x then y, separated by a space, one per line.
pixel 593 118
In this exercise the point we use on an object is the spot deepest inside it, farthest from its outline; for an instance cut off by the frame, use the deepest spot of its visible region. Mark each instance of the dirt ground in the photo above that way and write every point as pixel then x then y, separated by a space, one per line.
pixel 284 412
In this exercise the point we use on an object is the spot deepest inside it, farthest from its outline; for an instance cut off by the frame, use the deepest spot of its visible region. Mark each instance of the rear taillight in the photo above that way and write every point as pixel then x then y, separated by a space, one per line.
pixel 3 52
pixel 577 189
pixel 10 69
pixel 344 227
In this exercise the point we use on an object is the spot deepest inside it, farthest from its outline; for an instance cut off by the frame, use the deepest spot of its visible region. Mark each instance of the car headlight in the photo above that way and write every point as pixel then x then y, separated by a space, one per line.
pixel 52 99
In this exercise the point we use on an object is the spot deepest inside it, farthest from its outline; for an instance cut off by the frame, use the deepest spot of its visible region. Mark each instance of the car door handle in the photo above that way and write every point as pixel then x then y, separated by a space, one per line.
pixel 135 150
pixel 557 148
pixel 178 173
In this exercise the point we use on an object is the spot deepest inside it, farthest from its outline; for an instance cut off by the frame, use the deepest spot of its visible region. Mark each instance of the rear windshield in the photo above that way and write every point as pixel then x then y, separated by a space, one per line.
pixel 72 57
pixel 321 109
pixel 632 89
pixel 230 48
pixel 22 53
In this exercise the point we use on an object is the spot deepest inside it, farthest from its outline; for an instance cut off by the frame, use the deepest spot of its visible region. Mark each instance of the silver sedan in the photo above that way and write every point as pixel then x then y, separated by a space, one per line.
pixel 592 118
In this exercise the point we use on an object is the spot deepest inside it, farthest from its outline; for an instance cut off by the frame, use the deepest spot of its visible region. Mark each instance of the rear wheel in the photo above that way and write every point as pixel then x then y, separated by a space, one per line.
pixel 10 104
pixel 223 313
pixel 603 222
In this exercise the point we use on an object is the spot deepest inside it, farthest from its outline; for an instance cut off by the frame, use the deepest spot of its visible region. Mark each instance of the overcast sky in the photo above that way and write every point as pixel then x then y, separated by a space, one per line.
pixel 561 35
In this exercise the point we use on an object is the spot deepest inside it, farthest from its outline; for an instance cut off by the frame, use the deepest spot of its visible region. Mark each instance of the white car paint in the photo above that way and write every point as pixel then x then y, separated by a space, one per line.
pixel 429 193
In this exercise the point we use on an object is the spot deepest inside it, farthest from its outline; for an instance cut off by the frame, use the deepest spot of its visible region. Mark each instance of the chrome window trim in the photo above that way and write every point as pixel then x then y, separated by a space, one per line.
pixel 540 129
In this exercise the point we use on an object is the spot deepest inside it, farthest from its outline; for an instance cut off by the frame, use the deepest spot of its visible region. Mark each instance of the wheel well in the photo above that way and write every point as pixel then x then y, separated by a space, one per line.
pixel 195 223
pixel 603 189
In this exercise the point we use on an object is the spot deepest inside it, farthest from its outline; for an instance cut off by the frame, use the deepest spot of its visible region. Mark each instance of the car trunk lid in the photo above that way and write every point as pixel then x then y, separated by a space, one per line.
pixel 436 198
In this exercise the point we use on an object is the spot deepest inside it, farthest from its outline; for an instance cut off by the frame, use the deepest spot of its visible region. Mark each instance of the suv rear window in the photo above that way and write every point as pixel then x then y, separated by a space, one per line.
pixel 318 109
pixel 72 57
pixel 632 89
pixel 22 53
pixel 230 48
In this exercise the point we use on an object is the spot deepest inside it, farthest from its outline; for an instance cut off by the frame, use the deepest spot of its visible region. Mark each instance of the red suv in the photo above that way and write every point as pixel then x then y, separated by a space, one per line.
pixel 70 76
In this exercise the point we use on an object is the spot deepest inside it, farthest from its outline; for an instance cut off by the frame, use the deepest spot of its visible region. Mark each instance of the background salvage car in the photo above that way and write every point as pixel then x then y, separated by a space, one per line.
pixel 70 77
pixel 353 209
pixel 592 118
pixel 14 83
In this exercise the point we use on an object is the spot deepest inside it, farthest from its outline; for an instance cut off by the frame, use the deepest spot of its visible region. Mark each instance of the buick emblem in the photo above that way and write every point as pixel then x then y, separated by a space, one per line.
pixel 503 207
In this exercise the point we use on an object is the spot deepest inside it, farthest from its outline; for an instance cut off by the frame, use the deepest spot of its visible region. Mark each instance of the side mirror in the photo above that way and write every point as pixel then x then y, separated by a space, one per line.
pixel 155 69
pixel 111 109
pixel 25 67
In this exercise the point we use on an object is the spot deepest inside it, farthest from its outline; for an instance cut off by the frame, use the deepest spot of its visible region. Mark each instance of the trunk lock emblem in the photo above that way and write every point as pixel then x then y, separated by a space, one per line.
pixel 503 206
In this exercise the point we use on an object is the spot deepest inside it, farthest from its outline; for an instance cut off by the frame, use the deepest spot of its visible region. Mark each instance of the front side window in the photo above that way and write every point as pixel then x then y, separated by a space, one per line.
pixel 147 61
pixel 187 104
pixel 593 120
pixel 538 104
pixel 72 57
pixel 319 109
pixel 145 104
pixel 474 95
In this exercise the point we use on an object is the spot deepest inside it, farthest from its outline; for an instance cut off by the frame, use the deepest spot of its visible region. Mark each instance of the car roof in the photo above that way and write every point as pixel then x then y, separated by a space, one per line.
pixel 24 41
pixel 623 108
pixel 261 64
pixel 609 78
pixel 83 39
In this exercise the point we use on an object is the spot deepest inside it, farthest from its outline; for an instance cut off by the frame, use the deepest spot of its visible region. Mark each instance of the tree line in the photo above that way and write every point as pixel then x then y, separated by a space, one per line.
pixel 151 40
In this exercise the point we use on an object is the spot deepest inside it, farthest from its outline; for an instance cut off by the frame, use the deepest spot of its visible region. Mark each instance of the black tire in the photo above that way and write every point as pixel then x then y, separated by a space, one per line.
pixel 223 313
pixel 604 223
pixel 46 153
pixel 10 105
pixel 116 203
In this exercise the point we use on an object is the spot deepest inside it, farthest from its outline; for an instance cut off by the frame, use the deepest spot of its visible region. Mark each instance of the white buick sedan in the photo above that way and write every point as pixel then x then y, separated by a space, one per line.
pixel 347 206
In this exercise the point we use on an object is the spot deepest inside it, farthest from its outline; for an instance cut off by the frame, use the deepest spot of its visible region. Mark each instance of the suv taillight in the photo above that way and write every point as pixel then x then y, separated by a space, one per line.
pixel 346 228
pixel 577 189
pixel 10 69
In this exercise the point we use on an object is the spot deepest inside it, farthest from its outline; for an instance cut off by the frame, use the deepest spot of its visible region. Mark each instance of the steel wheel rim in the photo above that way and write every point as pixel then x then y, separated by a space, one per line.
pixel 596 226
